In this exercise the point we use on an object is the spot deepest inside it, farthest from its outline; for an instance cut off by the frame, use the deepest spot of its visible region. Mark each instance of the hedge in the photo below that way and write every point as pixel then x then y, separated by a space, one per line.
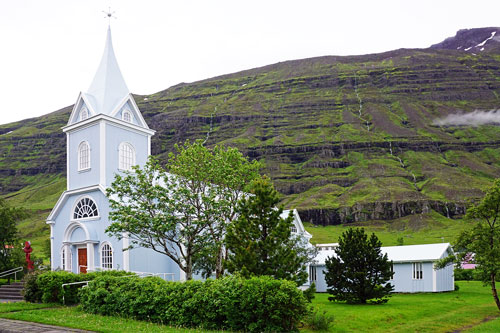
pixel 231 303
pixel 47 287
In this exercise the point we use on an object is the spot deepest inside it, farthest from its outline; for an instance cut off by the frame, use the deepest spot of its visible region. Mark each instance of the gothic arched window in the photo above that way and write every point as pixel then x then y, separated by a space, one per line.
pixel 83 156
pixel 84 114
pixel 126 156
pixel 106 256
pixel 85 208
pixel 127 116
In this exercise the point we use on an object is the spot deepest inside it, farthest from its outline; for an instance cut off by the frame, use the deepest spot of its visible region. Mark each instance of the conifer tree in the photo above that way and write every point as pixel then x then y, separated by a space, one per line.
pixel 260 241
pixel 358 273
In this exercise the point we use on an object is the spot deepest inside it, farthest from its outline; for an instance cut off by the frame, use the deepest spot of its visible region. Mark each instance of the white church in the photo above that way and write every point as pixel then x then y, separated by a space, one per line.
pixel 105 135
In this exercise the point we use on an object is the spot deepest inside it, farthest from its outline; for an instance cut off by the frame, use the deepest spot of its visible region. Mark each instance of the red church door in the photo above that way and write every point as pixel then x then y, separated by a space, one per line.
pixel 82 260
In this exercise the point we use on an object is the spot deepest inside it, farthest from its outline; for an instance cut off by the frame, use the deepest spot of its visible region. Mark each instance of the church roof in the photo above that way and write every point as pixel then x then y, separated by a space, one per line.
pixel 108 87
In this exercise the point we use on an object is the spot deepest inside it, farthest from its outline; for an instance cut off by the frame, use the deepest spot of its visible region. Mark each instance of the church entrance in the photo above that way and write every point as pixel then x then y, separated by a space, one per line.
pixel 82 260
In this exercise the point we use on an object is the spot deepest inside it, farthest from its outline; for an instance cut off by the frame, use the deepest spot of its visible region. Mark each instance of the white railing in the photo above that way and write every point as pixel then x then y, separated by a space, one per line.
pixel 80 268
pixel 12 271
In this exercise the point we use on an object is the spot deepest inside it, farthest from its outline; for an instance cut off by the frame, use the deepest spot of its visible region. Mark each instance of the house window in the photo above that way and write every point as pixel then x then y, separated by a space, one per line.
pixel 106 256
pixel 127 116
pixel 293 228
pixel 127 156
pixel 312 273
pixel 86 207
pixel 83 156
pixel 417 271
pixel 66 259
pixel 84 114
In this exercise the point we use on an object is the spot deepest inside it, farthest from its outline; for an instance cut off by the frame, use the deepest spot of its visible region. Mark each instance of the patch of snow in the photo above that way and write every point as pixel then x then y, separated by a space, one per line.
pixel 482 49
pixel 473 54
pixel 145 98
pixel 244 84
pixel 458 48
pixel 7 133
pixel 467 49
pixel 487 39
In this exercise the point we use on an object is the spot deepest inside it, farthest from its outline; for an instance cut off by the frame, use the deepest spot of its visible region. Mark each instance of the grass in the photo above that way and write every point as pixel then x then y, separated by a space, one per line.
pixel 414 229
pixel 466 309
pixel 426 312
pixel 73 317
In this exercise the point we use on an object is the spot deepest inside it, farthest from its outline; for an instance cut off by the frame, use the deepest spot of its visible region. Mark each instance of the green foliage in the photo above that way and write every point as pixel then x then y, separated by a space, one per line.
pixel 483 239
pixel 181 210
pixel 461 274
pixel 358 273
pixel 213 181
pixel 47 287
pixel 318 320
pixel 309 292
pixel 32 292
pixel 10 255
pixel 233 303
pixel 260 241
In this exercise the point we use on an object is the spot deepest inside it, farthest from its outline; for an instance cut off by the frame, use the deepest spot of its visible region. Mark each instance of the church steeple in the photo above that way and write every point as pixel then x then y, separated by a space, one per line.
pixel 108 87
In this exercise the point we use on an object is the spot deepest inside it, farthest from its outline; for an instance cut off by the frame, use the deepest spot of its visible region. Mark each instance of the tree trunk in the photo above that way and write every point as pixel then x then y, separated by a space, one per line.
pixel 218 263
pixel 494 290
pixel 189 268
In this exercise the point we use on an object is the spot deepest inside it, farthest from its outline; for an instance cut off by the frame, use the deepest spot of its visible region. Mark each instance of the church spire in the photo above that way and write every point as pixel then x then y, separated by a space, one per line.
pixel 108 87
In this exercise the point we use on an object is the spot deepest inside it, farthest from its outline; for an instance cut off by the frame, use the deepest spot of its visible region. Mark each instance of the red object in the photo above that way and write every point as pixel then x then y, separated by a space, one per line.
pixel 28 249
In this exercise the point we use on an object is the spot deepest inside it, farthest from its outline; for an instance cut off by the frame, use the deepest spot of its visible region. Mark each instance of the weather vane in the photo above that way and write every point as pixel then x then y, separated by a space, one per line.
pixel 109 15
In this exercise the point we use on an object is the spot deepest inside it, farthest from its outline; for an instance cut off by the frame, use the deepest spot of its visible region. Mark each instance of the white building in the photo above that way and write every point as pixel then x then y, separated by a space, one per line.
pixel 106 135
pixel 413 267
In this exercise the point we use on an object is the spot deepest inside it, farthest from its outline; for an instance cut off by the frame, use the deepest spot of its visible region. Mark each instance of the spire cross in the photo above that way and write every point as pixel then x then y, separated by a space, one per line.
pixel 109 15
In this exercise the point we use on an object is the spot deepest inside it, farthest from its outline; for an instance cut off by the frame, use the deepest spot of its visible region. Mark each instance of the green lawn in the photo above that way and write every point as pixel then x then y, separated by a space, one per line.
pixel 427 312
pixel 463 310
pixel 73 317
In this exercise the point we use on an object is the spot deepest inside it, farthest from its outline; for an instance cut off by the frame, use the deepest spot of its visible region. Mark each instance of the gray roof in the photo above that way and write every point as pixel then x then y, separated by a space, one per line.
pixel 405 253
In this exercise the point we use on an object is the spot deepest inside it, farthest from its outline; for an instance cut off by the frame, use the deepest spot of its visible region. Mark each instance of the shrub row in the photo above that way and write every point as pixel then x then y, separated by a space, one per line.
pixel 466 275
pixel 232 303
pixel 46 287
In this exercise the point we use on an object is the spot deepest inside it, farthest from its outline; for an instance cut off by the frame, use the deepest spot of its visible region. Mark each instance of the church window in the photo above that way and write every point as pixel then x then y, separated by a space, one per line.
pixel 417 271
pixel 66 259
pixel 127 156
pixel 83 156
pixel 84 114
pixel 127 116
pixel 85 208
pixel 106 256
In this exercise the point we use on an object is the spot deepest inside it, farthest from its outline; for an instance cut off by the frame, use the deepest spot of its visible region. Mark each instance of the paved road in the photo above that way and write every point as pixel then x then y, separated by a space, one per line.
pixel 16 326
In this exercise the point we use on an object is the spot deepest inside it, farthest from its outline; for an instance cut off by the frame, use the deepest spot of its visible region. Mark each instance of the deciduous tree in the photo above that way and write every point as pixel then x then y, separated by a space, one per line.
pixel 358 272
pixel 483 239
pixel 9 238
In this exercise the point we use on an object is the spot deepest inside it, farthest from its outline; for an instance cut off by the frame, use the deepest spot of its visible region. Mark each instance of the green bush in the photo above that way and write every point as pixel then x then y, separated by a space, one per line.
pixel 310 292
pixel 319 321
pixel 47 287
pixel 465 274
pixel 32 292
pixel 232 303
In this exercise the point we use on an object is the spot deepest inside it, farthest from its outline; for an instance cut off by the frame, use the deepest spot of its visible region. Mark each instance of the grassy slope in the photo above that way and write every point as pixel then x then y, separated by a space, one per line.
pixel 301 118
pixel 414 229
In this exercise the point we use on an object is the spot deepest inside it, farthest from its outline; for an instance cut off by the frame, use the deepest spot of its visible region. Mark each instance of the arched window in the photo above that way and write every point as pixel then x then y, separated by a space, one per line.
pixel 85 208
pixel 126 156
pixel 83 156
pixel 84 114
pixel 127 116
pixel 106 256
pixel 66 259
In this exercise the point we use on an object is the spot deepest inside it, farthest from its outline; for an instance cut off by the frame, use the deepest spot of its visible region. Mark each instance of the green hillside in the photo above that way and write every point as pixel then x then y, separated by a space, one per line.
pixel 345 139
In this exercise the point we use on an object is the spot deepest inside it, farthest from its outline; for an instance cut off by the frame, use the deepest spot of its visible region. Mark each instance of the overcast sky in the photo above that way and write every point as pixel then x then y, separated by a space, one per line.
pixel 49 50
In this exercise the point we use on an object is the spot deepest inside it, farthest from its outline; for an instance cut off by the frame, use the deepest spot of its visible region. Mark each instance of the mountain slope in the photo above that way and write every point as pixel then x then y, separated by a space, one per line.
pixel 345 139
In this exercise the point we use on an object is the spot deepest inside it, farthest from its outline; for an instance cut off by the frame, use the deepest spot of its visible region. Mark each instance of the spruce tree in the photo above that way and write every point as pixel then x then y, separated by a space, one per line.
pixel 358 273
pixel 260 241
